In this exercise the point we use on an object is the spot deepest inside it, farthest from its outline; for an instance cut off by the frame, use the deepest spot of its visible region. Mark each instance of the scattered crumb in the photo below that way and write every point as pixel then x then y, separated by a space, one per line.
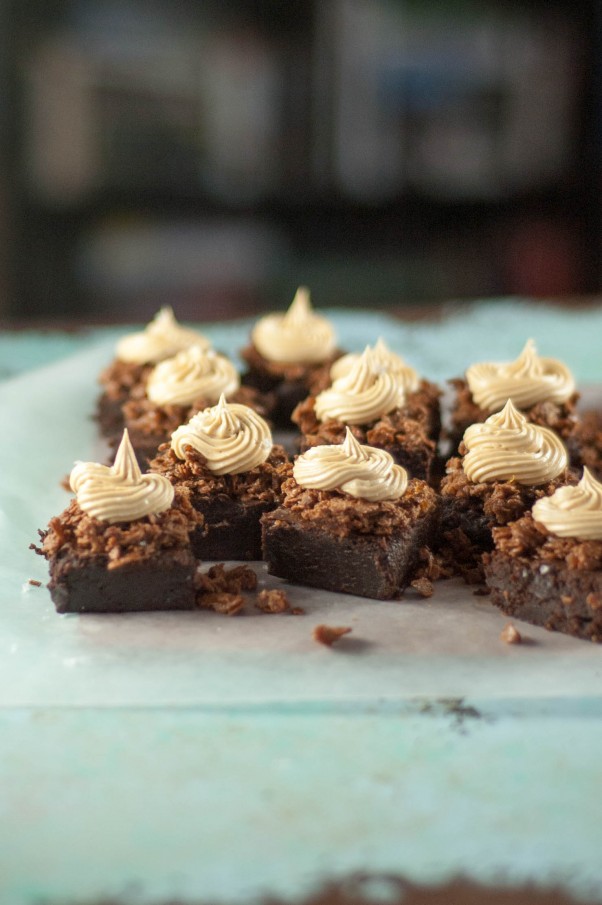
pixel 423 586
pixel 510 635
pixel 222 602
pixel 482 592
pixel 329 634
pixel 35 582
pixel 433 565
pixel 297 611
pixel 274 601
pixel 218 579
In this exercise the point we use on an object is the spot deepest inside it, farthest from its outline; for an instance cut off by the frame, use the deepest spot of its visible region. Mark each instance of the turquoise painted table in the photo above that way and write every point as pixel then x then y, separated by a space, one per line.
pixel 198 757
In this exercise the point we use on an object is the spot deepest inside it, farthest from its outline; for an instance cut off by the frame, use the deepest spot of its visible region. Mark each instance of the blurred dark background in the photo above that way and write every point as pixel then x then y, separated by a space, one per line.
pixel 214 154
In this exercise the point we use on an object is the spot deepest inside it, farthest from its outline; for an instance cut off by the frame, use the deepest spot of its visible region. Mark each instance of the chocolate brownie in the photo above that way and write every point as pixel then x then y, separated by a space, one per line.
pixel 331 540
pixel 231 505
pixel 120 381
pixel 547 580
pixel 97 567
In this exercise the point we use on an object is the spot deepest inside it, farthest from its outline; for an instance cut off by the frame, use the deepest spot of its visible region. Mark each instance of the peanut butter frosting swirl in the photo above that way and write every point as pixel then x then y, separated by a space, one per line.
pixel 507 447
pixel 363 472
pixel 120 493
pixel 300 336
pixel 232 438
pixel 385 359
pixel 192 374
pixel 364 394
pixel 528 380
pixel 573 511
pixel 162 338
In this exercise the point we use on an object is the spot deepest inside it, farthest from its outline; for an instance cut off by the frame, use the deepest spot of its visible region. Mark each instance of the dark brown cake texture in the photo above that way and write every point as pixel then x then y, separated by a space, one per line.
pixel 547 579
pixel 332 540
pixel 230 505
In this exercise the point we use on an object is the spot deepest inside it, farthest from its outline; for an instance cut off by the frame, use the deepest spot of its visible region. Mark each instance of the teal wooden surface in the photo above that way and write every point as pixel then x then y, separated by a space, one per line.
pixel 128 769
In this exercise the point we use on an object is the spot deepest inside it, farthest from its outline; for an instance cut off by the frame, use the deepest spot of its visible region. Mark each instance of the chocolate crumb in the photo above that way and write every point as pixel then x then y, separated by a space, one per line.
pixel 274 601
pixel 510 635
pixel 297 611
pixel 219 580
pixel 222 602
pixel 35 582
pixel 423 586
pixel 329 634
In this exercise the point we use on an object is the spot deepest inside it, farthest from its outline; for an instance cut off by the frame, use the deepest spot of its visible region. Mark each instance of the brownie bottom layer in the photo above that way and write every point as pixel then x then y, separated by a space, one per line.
pixel 548 594
pixel 232 528
pixel 92 588
pixel 364 565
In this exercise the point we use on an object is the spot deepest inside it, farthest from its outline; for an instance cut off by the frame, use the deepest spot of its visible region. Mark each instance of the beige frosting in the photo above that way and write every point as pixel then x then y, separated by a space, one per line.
pixel 161 339
pixel 120 493
pixel 363 394
pixel 573 511
pixel 527 381
pixel 385 359
pixel 363 472
pixel 232 438
pixel 194 373
pixel 298 336
pixel 507 447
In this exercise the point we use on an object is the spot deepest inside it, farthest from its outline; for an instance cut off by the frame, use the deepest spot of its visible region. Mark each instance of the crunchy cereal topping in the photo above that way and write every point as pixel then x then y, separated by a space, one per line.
pixel 330 634
pixel 274 601
pixel 510 635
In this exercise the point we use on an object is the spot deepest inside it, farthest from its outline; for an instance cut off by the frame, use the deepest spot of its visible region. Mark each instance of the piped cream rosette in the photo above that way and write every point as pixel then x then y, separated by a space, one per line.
pixel 232 437
pixel 363 472
pixel 384 359
pixel 162 338
pixel 573 511
pixel 527 381
pixel 300 336
pixel 120 493
pixel 507 447
pixel 364 394
pixel 195 373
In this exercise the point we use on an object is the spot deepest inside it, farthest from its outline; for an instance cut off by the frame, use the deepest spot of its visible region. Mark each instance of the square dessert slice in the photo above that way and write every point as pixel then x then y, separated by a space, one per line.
pixel 289 356
pixel 226 463
pixel 506 465
pixel 123 544
pixel 546 568
pixel 136 356
pixel 542 388
pixel 177 388
pixel 386 405
pixel 350 521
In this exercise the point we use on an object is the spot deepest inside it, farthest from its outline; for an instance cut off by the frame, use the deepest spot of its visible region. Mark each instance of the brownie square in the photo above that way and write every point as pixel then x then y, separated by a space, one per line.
pixel 341 557
pixel 120 381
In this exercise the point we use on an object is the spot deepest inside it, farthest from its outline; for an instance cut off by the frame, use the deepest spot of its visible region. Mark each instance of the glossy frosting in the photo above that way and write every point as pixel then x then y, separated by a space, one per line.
pixel 527 381
pixel 192 374
pixel 385 359
pixel 120 493
pixel 573 511
pixel 162 338
pixel 507 447
pixel 232 438
pixel 364 394
pixel 298 336
pixel 363 472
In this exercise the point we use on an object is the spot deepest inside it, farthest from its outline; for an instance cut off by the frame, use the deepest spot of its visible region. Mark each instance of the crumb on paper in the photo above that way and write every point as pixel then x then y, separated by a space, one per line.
pixel 510 635
pixel 218 579
pixel 221 602
pixel 297 611
pixel 330 634
pixel 423 586
pixel 35 583
pixel 274 601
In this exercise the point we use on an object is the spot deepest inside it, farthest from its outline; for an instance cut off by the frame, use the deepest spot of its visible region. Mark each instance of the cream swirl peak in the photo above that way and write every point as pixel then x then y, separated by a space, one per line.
pixel 507 447
pixel 385 359
pixel 573 511
pixel 120 493
pixel 299 336
pixel 231 437
pixel 365 393
pixel 528 380
pixel 364 472
pixel 192 374
pixel 162 338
